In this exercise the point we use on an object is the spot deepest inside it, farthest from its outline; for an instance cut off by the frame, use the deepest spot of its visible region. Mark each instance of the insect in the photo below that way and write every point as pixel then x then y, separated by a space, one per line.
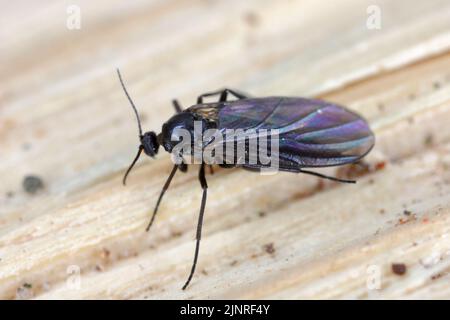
pixel 311 133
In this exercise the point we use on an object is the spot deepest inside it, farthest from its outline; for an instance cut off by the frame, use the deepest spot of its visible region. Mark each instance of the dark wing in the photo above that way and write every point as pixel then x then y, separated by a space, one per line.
pixel 312 133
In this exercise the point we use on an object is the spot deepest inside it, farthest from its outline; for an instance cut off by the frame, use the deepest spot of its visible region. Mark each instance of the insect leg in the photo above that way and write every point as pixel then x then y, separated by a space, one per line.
pixel 227 165
pixel 202 179
pixel 223 95
pixel 225 92
pixel 166 186
pixel 177 106
pixel 183 167
pixel 326 177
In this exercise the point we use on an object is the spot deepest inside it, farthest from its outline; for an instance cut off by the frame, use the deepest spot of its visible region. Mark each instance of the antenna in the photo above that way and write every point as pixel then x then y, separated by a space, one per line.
pixel 141 147
pixel 124 180
pixel 131 101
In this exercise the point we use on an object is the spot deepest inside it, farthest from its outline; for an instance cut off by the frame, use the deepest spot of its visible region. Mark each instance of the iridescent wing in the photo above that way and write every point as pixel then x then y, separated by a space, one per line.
pixel 312 133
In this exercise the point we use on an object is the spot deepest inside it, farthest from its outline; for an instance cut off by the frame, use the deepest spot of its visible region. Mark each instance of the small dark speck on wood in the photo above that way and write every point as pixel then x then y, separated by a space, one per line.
pixel 436 85
pixel 269 248
pixel 428 141
pixel 436 276
pixel 252 19
pixel 26 146
pixel 399 268
pixel 262 214
pixel 32 184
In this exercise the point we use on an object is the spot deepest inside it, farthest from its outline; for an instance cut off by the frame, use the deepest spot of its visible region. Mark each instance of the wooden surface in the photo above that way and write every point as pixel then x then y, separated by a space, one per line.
pixel 64 118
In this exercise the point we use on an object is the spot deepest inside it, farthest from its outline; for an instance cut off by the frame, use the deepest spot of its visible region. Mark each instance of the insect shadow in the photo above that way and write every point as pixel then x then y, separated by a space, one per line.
pixel 311 133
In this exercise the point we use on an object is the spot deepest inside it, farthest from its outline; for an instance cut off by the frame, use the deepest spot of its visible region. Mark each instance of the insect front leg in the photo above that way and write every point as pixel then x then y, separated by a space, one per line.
pixel 223 95
pixel 164 189
pixel 202 179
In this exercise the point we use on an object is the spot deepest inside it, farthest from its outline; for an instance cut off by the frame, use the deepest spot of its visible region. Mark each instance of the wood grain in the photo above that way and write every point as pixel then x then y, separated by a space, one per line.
pixel 64 118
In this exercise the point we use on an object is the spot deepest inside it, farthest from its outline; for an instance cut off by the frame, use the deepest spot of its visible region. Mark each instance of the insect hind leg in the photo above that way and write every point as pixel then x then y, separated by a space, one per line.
pixel 325 176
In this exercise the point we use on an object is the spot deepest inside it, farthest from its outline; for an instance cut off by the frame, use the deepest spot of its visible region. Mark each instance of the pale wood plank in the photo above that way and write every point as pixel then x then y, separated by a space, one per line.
pixel 64 100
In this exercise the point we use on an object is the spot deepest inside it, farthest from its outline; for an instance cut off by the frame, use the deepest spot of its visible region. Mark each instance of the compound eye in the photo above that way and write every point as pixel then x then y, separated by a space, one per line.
pixel 155 145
